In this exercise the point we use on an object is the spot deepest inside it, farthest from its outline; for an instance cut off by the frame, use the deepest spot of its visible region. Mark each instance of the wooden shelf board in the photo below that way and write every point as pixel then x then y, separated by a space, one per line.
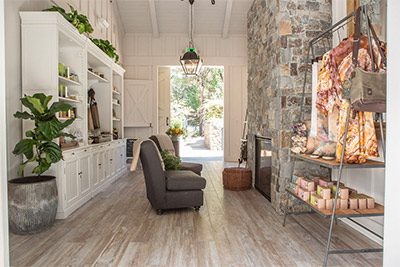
pixel 332 164
pixel 115 92
pixel 66 99
pixel 94 76
pixel 68 81
pixel 377 211
pixel 116 104
pixel 116 119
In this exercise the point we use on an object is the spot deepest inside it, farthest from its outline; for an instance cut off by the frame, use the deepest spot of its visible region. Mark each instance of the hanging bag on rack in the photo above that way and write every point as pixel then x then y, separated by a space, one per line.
pixel 368 89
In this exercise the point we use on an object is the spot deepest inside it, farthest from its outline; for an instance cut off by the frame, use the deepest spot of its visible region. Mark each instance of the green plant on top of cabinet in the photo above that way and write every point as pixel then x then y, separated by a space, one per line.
pixel 38 211
pixel 80 21
pixel 107 48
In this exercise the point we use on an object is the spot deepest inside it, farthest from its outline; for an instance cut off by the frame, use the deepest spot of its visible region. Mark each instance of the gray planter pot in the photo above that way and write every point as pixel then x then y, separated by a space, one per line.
pixel 32 204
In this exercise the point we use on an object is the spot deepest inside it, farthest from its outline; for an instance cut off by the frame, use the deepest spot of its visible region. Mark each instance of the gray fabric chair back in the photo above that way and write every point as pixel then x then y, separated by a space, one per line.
pixel 153 173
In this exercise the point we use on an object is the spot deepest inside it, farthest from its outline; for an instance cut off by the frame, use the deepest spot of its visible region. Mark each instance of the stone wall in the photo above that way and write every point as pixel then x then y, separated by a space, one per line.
pixel 213 134
pixel 278 35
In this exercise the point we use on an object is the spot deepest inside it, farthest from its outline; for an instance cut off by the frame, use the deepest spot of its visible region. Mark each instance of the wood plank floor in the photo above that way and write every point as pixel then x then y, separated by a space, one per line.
pixel 119 228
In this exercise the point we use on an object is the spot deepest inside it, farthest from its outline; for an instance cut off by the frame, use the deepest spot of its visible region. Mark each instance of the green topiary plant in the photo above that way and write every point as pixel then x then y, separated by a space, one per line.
pixel 39 146
pixel 81 22
pixel 107 48
pixel 171 162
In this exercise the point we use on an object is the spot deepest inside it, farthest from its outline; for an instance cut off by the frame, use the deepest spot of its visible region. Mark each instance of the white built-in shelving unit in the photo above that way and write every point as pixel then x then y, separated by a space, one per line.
pixel 47 40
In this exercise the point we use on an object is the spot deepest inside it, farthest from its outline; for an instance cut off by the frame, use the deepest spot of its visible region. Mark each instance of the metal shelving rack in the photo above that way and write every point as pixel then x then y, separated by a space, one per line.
pixel 334 213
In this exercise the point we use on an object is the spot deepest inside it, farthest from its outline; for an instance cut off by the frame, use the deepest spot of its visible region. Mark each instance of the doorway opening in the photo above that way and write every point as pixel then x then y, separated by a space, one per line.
pixel 195 104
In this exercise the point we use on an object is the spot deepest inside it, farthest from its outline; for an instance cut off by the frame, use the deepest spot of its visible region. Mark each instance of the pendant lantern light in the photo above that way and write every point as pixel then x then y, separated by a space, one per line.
pixel 191 62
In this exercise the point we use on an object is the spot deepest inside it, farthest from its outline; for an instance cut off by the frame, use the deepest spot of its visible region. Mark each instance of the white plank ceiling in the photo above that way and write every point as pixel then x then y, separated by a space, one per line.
pixel 172 16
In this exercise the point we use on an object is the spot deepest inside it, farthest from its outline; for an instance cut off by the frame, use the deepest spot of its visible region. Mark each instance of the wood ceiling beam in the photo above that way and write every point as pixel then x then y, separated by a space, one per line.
pixel 153 17
pixel 227 20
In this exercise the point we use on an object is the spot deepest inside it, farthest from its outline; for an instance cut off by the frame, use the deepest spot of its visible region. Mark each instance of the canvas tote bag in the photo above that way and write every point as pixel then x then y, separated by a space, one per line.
pixel 368 89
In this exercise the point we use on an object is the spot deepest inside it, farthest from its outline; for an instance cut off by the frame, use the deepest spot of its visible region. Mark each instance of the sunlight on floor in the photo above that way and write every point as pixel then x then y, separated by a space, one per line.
pixel 195 149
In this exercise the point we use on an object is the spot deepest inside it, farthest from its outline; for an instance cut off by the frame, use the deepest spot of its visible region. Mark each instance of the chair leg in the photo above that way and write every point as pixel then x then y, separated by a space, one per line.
pixel 160 212
pixel 197 208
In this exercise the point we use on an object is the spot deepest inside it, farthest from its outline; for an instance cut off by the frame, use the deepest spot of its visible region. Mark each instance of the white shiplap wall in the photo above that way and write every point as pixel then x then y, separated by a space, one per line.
pixel 95 9
pixel 143 54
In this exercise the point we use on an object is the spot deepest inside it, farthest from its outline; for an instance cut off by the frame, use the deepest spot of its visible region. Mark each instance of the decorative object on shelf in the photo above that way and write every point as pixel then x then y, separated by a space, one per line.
pixel 171 162
pixel 62 70
pixel 190 61
pixel 79 21
pixel 37 212
pixel 107 48
pixel 94 118
pixel 62 90
pixel 115 133
pixel 299 138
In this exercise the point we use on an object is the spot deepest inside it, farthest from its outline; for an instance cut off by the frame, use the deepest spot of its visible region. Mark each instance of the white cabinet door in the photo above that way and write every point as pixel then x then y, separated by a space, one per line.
pixel 71 182
pixel 84 174
pixel 122 163
pixel 107 165
pixel 93 170
pixel 115 160
pixel 101 166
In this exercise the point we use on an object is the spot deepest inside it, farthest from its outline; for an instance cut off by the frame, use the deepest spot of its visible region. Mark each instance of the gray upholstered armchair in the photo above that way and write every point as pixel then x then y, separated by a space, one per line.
pixel 188 166
pixel 169 189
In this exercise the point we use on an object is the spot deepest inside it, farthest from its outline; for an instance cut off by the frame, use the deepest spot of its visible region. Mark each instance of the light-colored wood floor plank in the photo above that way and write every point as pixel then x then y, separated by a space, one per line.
pixel 119 228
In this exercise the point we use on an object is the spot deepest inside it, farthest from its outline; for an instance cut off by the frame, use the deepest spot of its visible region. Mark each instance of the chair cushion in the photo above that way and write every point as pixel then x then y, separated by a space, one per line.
pixel 184 180
pixel 194 167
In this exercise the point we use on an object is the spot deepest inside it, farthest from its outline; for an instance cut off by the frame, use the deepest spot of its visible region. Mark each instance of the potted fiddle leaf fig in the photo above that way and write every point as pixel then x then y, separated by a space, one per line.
pixel 33 200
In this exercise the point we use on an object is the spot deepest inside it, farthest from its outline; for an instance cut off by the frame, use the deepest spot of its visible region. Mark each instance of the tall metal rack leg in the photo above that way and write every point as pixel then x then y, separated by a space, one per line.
pixel 333 218
pixel 382 134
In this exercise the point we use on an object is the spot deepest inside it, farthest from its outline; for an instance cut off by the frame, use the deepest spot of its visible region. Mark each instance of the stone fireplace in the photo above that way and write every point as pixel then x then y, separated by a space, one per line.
pixel 278 34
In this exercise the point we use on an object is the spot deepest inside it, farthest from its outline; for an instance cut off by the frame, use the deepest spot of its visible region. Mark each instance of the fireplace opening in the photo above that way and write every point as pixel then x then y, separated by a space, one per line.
pixel 263 166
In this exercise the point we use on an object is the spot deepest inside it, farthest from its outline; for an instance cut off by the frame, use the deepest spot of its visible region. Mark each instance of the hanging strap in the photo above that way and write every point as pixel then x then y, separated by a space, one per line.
pixel 357 36
pixel 377 41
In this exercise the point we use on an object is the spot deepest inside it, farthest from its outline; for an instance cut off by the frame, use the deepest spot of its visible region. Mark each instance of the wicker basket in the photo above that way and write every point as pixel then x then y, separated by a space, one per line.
pixel 237 179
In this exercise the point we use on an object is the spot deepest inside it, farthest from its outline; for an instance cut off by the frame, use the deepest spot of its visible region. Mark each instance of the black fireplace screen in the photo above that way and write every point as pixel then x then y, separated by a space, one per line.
pixel 263 164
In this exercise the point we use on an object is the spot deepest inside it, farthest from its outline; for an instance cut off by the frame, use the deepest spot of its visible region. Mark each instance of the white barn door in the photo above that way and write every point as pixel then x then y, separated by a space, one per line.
pixel 139 106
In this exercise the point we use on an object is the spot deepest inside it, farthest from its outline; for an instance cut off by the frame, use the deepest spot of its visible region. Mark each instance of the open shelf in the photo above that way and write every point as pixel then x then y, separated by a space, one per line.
pixel 377 211
pixel 116 119
pixel 66 99
pixel 67 81
pixel 116 104
pixel 76 119
pixel 332 164
pixel 116 92
pixel 94 76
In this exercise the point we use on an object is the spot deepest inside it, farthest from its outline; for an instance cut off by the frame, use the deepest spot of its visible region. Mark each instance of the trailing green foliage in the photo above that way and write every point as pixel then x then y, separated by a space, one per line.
pixel 80 21
pixel 107 48
pixel 171 161
pixel 38 146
